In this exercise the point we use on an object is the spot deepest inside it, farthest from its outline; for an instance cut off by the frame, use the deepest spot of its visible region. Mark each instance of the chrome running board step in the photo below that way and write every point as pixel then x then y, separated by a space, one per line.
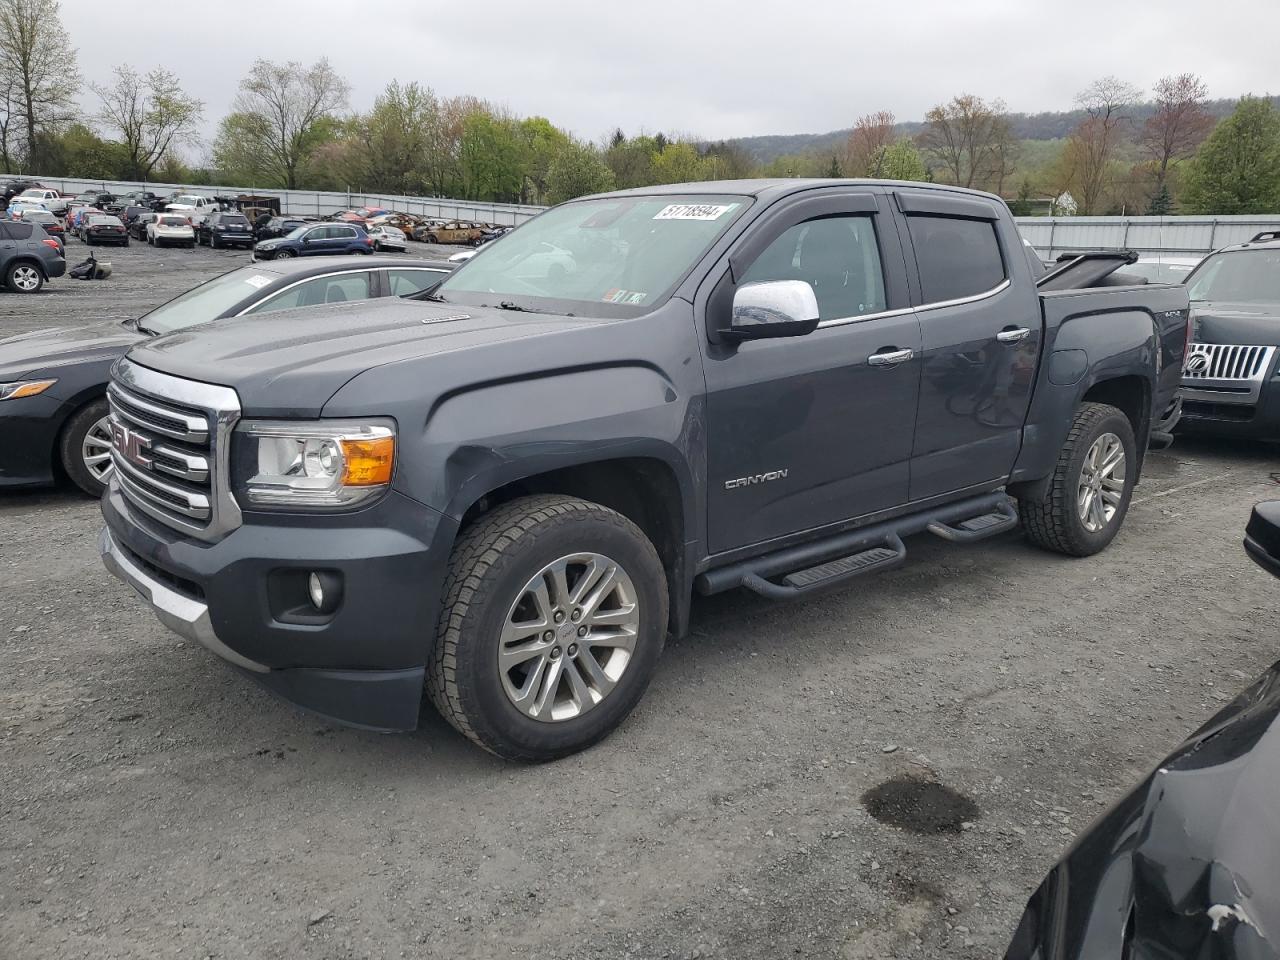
pixel 795 571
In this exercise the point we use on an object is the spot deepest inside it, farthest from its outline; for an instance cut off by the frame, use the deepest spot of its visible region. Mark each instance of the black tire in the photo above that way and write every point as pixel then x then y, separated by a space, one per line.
pixel 284 254
pixel 490 564
pixel 26 273
pixel 126 242
pixel 1054 522
pixel 432 238
pixel 213 242
pixel 70 445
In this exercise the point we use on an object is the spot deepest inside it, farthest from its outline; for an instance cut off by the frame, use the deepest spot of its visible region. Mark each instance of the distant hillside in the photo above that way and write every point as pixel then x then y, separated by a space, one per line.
pixel 1052 125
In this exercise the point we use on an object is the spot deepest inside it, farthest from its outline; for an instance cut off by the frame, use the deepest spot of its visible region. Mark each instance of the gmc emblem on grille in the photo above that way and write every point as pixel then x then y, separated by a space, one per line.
pixel 132 446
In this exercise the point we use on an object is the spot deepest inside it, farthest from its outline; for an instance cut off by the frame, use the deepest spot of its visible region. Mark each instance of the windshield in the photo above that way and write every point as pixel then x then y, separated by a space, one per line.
pixel 207 301
pixel 38 194
pixel 1241 276
pixel 296 232
pixel 616 256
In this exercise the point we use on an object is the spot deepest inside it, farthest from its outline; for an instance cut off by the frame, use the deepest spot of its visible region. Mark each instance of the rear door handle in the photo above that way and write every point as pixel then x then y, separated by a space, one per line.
pixel 1013 334
pixel 890 358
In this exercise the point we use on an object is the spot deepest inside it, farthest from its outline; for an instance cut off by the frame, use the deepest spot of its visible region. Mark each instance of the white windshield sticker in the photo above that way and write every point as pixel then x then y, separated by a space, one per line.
pixel 257 280
pixel 694 211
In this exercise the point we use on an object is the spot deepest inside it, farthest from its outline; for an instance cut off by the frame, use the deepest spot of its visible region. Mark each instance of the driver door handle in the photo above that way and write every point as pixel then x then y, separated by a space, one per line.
pixel 890 358
pixel 1013 334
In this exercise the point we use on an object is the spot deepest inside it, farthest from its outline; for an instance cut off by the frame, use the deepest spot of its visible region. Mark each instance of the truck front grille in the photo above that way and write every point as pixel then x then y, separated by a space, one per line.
pixel 1226 372
pixel 169 444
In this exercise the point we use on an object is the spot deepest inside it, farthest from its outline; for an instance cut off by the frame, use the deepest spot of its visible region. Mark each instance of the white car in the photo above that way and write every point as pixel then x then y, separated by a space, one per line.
pixel 51 200
pixel 387 237
pixel 196 207
pixel 171 228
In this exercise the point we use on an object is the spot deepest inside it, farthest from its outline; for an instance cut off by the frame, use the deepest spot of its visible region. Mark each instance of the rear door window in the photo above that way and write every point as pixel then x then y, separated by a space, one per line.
pixel 16 230
pixel 338 288
pixel 957 257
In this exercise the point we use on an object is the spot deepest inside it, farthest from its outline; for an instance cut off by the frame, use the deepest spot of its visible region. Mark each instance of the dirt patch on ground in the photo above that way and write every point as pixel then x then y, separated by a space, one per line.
pixel 921 806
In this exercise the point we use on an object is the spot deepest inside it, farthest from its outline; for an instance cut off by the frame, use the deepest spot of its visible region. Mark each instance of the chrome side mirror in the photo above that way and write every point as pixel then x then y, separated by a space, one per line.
pixel 774 308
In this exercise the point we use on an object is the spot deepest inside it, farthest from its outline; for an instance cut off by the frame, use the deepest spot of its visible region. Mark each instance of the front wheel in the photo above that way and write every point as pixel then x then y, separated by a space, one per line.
pixel 1088 496
pixel 555 614
pixel 85 448
pixel 284 254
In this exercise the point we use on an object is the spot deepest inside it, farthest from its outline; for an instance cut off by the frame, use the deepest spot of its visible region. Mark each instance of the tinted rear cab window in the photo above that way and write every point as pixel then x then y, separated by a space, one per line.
pixel 957 258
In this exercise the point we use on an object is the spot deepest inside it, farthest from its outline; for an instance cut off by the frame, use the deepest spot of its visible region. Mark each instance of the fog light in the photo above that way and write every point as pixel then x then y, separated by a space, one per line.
pixel 316 589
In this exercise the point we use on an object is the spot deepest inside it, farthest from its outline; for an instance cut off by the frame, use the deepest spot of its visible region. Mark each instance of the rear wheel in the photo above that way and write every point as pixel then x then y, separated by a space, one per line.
pixel 432 238
pixel 24 278
pixel 1088 496
pixel 555 614
pixel 85 448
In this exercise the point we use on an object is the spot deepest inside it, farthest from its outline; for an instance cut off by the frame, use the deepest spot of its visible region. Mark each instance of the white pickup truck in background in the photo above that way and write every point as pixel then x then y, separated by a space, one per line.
pixel 197 208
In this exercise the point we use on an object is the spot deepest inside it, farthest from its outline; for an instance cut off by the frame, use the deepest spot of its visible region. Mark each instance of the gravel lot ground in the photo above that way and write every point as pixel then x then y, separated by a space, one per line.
pixel 157 805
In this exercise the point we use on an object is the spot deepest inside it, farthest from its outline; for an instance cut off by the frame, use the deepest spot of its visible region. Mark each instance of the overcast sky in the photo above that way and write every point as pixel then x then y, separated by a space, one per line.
pixel 705 67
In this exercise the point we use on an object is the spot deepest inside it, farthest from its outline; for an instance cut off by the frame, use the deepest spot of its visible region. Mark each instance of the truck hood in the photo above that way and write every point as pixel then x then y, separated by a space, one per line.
pixel 43 350
pixel 1250 324
pixel 291 362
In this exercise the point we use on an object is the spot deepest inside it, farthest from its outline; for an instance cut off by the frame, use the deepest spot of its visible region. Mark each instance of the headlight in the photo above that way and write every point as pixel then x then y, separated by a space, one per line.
pixel 322 464
pixel 24 388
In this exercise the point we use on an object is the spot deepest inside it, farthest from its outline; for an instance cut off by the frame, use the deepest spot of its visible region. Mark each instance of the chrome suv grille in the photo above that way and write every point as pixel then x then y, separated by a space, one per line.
pixel 169 444
pixel 1226 372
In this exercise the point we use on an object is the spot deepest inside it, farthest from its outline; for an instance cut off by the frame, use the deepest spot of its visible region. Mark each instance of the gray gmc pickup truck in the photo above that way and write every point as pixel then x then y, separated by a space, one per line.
pixel 507 489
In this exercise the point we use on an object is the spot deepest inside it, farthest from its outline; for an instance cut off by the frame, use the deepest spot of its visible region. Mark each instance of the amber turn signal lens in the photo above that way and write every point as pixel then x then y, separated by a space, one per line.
pixel 13 391
pixel 368 462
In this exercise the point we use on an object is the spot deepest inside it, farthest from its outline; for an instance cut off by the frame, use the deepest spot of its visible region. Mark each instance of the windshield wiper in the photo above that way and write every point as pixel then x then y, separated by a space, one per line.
pixel 508 305
pixel 137 325
pixel 433 297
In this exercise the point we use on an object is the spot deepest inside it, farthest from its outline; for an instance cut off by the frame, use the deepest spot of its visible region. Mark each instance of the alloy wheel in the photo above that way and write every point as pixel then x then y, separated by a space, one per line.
pixel 26 278
pixel 569 637
pixel 1101 487
pixel 95 450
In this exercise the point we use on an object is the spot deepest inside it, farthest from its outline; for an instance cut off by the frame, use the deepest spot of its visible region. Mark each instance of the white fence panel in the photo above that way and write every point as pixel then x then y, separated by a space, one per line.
pixel 1174 236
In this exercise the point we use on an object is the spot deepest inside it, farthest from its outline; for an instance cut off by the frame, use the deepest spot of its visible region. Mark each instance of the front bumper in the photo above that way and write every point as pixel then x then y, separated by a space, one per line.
pixel 363 665
pixel 29 427
pixel 1246 421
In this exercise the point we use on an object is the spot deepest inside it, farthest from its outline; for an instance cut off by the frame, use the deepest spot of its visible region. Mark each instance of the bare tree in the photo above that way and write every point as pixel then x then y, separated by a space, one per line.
pixel 151 114
pixel 1092 144
pixel 869 138
pixel 1179 125
pixel 38 66
pixel 289 103
pixel 970 140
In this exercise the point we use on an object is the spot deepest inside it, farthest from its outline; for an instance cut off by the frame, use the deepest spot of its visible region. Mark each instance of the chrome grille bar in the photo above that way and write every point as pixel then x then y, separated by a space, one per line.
pixel 1226 372
pixel 165 420
pixel 170 446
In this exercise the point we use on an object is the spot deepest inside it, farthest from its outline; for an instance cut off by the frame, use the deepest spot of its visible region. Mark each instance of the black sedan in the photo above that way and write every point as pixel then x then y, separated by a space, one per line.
pixel 104 228
pixel 53 408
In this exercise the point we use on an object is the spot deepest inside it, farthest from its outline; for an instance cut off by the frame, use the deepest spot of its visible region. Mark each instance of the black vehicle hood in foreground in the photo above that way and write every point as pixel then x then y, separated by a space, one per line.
pixel 291 362
pixel 1250 324
pixel 44 350
pixel 1187 866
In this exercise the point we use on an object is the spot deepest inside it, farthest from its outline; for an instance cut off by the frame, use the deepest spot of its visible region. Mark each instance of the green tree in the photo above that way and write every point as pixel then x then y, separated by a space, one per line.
pixel 490 158
pixel 631 160
pixel 677 163
pixel 542 143
pixel 833 170
pixel 1162 203
pixel 289 105
pixel 38 74
pixel 78 151
pixel 576 171
pixel 397 134
pixel 900 161
pixel 1237 170
pixel 150 115
pixel 240 149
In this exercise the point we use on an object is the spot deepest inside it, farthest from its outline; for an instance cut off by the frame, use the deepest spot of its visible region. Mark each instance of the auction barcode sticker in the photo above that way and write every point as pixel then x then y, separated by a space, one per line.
pixel 257 280
pixel 694 211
